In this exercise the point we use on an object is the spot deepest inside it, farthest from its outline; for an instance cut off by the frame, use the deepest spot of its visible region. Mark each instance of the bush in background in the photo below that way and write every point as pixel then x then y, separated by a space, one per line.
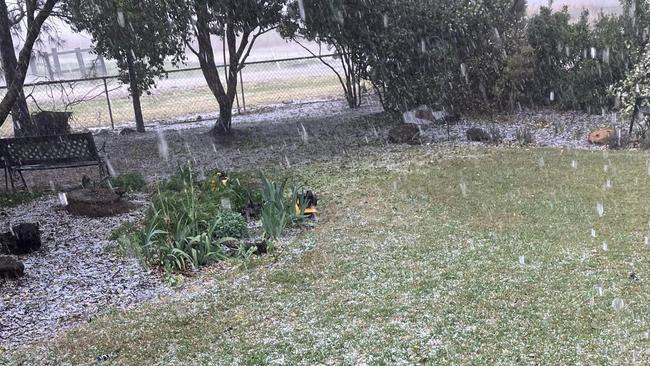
pixel 445 54
pixel 481 56
pixel 577 62
pixel 130 182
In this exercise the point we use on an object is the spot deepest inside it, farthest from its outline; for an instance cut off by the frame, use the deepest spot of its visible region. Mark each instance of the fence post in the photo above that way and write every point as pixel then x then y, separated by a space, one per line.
pixel 48 65
pixel 80 61
pixel 241 82
pixel 33 67
pixel 102 65
pixel 108 101
pixel 57 64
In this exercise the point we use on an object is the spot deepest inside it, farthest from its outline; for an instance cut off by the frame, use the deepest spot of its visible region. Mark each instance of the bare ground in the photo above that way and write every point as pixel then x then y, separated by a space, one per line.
pixel 303 133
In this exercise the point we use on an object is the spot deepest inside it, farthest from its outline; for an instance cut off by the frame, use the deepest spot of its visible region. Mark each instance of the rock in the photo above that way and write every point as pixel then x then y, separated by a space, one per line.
pixel 127 131
pixel 23 239
pixel 28 238
pixel 7 243
pixel 11 268
pixel 404 133
pixel 478 135
pixel 601 136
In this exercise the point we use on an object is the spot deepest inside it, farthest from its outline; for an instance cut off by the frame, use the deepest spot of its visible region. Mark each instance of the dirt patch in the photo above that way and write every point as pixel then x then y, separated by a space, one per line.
pixel 97 202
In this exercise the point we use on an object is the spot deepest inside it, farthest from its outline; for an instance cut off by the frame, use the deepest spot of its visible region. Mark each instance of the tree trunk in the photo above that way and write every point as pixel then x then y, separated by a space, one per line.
pixel 135 92
pixel 15 89
pixel 224 123
pixel 209 68
pixel 238 53
pixel 19 110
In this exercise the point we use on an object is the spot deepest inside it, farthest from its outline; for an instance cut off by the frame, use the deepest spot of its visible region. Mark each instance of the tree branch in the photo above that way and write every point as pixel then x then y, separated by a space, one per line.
pixel 189 45
pixel 338 75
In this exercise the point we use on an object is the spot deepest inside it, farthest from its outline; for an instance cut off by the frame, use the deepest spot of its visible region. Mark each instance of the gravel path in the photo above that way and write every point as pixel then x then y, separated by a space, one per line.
pixel 72 278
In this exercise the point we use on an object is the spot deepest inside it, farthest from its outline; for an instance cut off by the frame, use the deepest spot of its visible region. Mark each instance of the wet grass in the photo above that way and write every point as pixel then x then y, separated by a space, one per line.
pixel 422 256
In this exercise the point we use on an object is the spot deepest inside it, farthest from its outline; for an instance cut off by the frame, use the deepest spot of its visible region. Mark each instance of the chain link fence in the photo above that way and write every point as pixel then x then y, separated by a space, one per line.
pixel 104 102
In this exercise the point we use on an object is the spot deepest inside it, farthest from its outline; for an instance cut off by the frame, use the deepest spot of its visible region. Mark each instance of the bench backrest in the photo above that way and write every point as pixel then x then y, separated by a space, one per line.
pixel 49 150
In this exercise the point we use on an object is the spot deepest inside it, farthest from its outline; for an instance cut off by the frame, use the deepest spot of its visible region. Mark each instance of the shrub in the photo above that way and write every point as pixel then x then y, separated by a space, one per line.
pixel 131 182
pixel 446 54
pixel 577 62
pixel 230 224
pixel 524 136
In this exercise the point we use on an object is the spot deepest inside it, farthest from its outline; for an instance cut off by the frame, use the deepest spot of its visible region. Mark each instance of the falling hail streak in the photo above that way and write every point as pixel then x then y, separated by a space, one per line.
pixel 301 7
pixel 163 149
pixel 303 134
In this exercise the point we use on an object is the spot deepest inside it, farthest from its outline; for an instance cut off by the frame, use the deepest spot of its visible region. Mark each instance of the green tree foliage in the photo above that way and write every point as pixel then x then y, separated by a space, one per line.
pixel 578 62
pixel 139 34
pixel 635 40
pixel 341 25
pixel 446 54
pixel 636 83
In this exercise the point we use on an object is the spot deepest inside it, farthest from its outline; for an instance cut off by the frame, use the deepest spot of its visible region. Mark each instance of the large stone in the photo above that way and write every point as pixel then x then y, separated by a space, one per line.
pixel 28 238
pixel 11 268
pixel 478 135
pixel 404 133
pixel 23 239
pixel 602 136
pixel 96 202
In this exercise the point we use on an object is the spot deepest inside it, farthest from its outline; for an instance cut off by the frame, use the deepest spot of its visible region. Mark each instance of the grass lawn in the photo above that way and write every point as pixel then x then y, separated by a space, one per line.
pixel 421 256
pixel 186 100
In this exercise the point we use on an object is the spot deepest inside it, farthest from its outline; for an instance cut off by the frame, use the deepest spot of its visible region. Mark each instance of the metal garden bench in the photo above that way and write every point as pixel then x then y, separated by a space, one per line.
pixel 639 109
pixel 48 152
